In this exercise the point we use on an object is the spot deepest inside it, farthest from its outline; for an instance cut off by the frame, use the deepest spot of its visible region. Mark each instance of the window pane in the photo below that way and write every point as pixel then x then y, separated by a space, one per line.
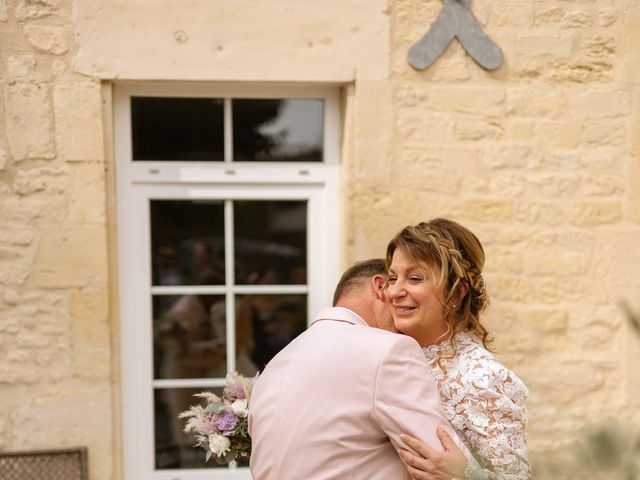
pixel 264 325
pixel 188 129
pixel 189 336
pixel 270 242
pixel 278 130
pixel 174 448
pixel 187 242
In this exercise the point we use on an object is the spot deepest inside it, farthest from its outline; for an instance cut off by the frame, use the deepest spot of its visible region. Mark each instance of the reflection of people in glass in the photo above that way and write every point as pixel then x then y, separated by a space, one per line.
pixel 191 336
pixel 272 320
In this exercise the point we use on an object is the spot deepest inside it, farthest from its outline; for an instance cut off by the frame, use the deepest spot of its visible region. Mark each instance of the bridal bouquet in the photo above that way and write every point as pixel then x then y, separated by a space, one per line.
pixel 220 426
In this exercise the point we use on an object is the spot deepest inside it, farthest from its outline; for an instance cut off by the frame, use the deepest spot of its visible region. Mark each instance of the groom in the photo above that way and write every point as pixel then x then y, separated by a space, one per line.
pixel 334 402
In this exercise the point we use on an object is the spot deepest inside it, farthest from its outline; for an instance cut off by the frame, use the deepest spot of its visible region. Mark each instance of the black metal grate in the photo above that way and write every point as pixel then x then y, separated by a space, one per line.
pixel 68 464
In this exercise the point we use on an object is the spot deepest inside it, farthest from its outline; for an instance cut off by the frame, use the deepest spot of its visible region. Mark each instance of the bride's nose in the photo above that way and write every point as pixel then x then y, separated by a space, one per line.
pixel 396 290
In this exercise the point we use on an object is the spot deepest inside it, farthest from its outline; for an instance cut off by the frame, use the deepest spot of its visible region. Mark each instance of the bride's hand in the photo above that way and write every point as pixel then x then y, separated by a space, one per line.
pixel 431 464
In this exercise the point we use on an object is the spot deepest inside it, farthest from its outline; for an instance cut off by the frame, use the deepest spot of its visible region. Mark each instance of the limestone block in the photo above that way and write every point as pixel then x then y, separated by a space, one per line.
pixel 78 114
pixel 429 181
pixel 601 103
pixel 71 256
pixel 4 12
pixel 86 194
pixel 510 288
pixel 548 321
pixel 505 262
pixel 615 261
pixel 559 134
pixel 558 16
pixel 420 158
pixel 17 235
pixel 433 205
pixel 507 184
pixel 606 16
pixel 536 102
pixel 44 209
pixel 474 184
pixel 477 129
pixel 29 121
pixel 518 130
pixel 421 131
pixel 580 71
pixel 602 185
pixel 553 185
pixel 606 133
pixel 604 158
pixel 511 14
pixel 486 210
pixel 556 46
pixel 14 273
pixel 32 9
pixel 10 297
pixel 21 67
pixel 314 41
pixel 488 101
pixel 508 156
pixel 539 213
pixel 552 291
pixel 522 237
pixel 48 39
pixel 90 334
pixel 587 214
pixel 559 263
pixel 598 46
pixel 17 373
pixel 66 416
pixel 49 179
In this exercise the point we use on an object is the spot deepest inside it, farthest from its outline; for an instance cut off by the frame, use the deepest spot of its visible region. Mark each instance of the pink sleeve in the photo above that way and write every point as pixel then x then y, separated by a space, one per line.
pixel 406 399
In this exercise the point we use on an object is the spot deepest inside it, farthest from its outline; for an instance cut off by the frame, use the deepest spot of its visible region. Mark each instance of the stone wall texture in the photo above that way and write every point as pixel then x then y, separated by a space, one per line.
pixel 541 159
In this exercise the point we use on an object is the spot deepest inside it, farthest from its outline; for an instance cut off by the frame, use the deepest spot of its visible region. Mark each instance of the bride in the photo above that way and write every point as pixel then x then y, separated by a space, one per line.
pixel 437 294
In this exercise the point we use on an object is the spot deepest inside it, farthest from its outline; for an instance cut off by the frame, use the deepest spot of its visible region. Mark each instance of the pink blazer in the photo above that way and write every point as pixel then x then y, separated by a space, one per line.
pixel 333 403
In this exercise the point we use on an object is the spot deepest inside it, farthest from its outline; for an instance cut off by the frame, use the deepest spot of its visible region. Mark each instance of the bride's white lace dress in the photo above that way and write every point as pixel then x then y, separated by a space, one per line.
pixel 485 403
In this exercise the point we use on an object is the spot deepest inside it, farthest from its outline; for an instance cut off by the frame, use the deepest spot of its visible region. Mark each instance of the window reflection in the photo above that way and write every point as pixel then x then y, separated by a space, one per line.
pixel 190 336
pixel 275 130
pixel 174 448
pixel 177 129
pixel 265 324
pixel 270 242
pixel 187 242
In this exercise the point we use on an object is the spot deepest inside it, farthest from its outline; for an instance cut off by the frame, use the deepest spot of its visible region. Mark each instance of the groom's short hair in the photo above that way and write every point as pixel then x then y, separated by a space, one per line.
pixel 355 275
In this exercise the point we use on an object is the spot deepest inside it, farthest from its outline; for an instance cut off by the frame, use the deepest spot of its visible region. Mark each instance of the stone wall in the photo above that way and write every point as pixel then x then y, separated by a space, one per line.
pixel 55 353
pixel 540 158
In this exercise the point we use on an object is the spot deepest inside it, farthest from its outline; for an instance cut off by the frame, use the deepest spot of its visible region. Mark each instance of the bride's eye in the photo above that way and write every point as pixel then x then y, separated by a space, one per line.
pixel 391 280
pixel 415 278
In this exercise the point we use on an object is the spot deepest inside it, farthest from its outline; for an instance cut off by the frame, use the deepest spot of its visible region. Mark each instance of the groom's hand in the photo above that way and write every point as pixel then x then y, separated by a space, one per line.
pixel 430 464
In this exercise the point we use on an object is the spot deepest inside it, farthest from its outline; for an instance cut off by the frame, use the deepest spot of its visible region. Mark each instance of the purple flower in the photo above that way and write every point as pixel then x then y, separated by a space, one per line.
pixel 225 421
pixel 235 391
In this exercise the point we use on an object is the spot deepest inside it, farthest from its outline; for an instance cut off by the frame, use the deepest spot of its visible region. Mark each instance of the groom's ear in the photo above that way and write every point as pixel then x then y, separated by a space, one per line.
pixel 379 283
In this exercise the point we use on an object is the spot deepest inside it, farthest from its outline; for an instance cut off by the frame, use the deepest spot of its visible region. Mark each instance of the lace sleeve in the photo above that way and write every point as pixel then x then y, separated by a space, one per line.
pixel 494 418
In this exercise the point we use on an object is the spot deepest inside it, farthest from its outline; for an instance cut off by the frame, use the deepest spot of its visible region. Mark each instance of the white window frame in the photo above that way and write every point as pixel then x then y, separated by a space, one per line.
pixel 141 181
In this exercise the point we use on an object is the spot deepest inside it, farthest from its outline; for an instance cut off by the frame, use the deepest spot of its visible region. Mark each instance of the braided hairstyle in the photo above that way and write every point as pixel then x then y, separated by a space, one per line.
pixel 456 257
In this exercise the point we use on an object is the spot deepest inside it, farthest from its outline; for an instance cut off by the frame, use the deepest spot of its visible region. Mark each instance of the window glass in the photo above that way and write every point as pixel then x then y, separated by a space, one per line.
pixel 177 129
pixel 187 242
pixel 277 130
pixel 189 336
pixel 270 242
pixel 174 448
pixel 265 324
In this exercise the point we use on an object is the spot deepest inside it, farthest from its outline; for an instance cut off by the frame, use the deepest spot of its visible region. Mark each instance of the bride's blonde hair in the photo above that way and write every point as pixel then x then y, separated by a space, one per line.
pixel 456 255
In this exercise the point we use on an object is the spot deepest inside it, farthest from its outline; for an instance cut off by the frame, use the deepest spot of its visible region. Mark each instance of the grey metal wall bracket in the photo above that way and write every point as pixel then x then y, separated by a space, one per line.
pixel 455 20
